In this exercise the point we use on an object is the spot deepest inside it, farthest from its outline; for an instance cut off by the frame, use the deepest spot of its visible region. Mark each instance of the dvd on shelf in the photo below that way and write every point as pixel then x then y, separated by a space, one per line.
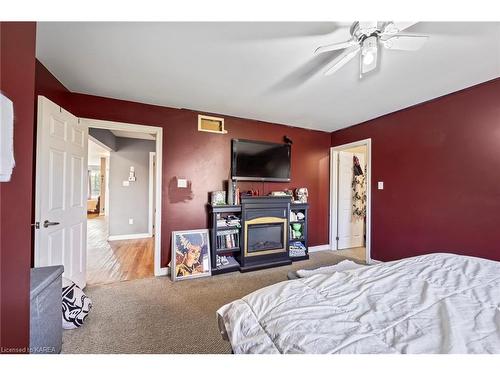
pixel 228 239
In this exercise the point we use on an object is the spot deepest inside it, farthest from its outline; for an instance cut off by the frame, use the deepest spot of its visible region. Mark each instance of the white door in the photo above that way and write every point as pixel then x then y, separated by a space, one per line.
pixel 350 231
pixel 61 191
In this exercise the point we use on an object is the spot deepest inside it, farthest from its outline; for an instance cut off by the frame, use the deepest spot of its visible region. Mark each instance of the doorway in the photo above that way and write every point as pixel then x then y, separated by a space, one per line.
pixel 64 193
pixel 120 239
pixel 350 199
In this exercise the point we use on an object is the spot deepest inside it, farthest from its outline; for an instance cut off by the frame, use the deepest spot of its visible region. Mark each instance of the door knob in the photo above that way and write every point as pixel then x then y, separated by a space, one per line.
pixel 47 223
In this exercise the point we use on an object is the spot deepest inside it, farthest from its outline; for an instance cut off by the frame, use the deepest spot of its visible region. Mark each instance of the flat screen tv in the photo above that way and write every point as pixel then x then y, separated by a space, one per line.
pixel 260 161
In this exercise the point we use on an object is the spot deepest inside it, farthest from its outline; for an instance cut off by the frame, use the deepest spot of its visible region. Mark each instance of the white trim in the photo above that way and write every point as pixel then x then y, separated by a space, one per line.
pixel 151 190
pixel 334 156
pixel 132 236
pixel 106 200
pixel 164 271
pixel 158 132
pixel 158 220
pixel 123 126
pixel 313 249
pixel 333 193
pixel 204 117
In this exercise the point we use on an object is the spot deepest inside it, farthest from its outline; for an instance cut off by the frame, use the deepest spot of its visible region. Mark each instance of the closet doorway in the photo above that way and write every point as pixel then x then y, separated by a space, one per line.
pixel 350 198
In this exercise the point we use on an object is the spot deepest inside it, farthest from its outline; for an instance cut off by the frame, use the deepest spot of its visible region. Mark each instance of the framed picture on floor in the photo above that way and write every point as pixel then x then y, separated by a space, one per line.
pixel 190 254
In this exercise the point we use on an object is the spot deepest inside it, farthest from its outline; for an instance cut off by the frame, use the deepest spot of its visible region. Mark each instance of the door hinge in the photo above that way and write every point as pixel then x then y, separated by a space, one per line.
pixel 337 238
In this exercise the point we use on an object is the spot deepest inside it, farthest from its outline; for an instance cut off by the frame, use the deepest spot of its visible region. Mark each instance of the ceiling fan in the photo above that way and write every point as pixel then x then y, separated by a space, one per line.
pixel 366 37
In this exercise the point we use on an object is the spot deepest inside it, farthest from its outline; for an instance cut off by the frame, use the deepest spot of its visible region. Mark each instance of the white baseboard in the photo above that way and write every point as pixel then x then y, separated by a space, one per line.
pixel 133 236
pixel 375 261
pixel 313 249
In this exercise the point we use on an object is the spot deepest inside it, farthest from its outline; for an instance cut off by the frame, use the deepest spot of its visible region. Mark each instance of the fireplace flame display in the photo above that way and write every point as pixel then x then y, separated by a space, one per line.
pixel 265 235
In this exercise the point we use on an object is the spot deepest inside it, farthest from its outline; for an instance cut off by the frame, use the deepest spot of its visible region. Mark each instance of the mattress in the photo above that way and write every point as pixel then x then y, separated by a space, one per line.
pixel 436 303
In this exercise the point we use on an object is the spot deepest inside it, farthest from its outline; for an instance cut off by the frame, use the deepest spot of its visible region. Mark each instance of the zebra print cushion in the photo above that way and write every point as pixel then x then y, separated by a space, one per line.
pixel 75 305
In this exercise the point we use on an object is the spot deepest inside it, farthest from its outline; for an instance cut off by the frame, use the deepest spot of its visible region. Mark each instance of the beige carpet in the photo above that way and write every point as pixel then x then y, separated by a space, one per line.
pixel 156 315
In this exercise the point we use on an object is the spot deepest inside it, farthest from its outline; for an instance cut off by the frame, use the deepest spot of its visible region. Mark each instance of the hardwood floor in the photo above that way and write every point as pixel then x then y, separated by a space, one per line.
pixel 356 253
pixel 113 261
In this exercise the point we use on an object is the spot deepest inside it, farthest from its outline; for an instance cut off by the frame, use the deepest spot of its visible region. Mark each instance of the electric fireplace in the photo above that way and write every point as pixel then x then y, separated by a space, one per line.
pixel 265 235
pixel 265 232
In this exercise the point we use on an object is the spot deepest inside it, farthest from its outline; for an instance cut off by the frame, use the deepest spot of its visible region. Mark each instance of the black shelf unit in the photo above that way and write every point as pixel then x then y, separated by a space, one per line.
pixel 231 252
pixel 303 208
pixel 234 253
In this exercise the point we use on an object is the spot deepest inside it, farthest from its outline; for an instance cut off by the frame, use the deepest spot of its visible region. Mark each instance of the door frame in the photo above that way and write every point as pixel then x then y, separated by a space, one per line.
pixel 334 193
pixel 151 205
pixel 158 132
pixel 106 174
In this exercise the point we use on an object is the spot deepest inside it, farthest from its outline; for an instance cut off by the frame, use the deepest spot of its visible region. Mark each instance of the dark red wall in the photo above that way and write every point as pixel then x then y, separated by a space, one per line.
pixel 440 163
pixel 48 86
pixel 204 158
pixel 17 82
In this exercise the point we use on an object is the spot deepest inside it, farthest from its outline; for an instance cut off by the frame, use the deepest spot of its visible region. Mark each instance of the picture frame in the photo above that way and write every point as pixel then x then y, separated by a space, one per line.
pixel 218 198
pixel 190 254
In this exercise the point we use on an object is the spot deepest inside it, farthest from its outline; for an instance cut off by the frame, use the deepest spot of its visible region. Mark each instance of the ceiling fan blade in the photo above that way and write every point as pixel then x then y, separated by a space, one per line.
pixel 405 42
pixel 342 59
pixel 391 28
pixel 335 46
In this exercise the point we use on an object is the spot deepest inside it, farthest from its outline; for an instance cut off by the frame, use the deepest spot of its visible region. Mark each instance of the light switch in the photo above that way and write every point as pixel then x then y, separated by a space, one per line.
pixel 381 185
pixel 182 183
pixel 125 183
pixel 131 221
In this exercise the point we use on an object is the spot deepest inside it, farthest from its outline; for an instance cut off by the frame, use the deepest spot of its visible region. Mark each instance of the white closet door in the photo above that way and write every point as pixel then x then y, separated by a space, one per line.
pixel 61 190
pixel 350 231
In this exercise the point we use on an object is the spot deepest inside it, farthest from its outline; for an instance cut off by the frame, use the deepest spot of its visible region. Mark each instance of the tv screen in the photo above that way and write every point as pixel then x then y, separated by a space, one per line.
pixel 260 161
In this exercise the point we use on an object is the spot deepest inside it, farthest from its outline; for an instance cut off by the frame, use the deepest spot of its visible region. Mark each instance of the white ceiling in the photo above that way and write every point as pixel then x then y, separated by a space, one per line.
pixel 136 135
pixel 95 153
pixel 264 71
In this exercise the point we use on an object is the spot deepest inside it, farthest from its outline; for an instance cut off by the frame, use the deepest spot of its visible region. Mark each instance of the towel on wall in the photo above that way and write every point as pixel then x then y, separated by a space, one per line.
pixel 6 138
pixel 358 171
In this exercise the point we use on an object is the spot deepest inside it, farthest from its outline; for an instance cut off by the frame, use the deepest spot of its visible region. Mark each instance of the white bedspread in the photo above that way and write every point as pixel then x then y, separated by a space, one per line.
pixel 437 303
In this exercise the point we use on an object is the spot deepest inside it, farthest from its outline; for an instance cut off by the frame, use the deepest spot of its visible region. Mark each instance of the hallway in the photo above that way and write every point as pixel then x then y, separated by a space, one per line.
pixel 113 261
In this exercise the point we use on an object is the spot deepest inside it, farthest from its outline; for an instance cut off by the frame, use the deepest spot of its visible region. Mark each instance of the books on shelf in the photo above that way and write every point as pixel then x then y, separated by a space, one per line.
pixel 230 221
pixel 221 223
pixel 297 249
pixel 228 239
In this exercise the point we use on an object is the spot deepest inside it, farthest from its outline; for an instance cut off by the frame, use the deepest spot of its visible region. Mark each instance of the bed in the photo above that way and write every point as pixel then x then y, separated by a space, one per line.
pixel 437 303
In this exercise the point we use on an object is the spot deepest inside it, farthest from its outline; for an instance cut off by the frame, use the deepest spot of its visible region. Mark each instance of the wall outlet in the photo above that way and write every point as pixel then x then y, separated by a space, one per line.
pixel 131 221
pixel 125 183
pixel 381 185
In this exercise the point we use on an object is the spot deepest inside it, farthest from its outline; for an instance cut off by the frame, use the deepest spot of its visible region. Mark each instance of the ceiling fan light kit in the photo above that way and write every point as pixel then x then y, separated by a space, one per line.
pixel 369 55
pixel 366 37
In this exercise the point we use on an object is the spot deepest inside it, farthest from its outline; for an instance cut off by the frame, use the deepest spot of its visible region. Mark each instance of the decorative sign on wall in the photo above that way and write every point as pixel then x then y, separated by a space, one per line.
pixel 131 175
